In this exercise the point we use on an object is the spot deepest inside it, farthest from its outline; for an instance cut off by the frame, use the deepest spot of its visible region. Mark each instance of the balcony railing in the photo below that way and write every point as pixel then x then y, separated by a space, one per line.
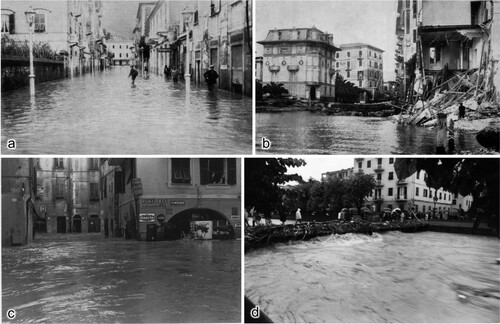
pixel 379 168
pixel 379 183
pixel 378 198
pixel 401 197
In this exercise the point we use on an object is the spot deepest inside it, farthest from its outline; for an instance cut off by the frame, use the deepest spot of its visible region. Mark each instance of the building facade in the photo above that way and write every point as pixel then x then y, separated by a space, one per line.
pixel 302 59
pixel 67 195
pixel 73 29
pixel 340 174
pixel 122 51
pixel 18 210
pixel 362 65
pixel 159 199
pixel 190 36
pixel 406 194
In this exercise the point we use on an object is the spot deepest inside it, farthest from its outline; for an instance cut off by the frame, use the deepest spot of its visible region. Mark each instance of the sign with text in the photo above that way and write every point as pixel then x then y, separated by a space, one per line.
pixel 154 202
pixel 177 203
pixel 146 218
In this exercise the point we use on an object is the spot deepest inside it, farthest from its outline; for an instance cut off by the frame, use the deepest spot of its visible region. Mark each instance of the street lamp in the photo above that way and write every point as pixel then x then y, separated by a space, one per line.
pixel 142 60
pixel 30 19
pixel 435 201
pixel 187 15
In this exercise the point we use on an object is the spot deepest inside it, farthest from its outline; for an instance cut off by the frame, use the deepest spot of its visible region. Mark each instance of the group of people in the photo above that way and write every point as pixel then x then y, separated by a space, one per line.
pixel 210 76
pixel 257 217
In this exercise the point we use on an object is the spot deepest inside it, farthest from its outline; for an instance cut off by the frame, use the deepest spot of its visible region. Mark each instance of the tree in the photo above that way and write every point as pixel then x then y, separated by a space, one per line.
pixel 262 179
pixel 275 90
pixel 357 188
pixel 476 177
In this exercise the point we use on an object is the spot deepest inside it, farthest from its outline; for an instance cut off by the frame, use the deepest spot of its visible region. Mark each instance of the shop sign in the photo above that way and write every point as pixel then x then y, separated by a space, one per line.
pixel 154 202
pixel 177 203
pixel 146 218
pixel 235 217
pixel 160 218
pixel 43 209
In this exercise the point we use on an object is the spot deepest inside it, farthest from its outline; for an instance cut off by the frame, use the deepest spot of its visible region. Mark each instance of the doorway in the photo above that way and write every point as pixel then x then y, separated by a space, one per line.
pixel 312 93
pixel 94 224
pixel 77 224
pixel 61 224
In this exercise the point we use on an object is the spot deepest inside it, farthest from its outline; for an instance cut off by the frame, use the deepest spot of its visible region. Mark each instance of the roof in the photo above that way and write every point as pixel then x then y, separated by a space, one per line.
pixel 350 45
pixel 294 35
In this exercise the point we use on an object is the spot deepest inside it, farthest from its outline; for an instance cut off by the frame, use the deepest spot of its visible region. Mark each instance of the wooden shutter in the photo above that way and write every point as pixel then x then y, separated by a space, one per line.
pixel 12 24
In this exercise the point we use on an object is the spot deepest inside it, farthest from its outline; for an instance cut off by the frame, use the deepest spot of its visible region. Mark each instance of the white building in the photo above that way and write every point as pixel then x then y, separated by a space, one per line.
pixel 122 50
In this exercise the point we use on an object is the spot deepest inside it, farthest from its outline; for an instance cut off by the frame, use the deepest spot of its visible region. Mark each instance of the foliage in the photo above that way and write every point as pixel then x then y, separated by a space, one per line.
pixel 357 188
pixel 476 177
pixel 346 91
pixel 262 179
pixel 275 90
pixel 11 46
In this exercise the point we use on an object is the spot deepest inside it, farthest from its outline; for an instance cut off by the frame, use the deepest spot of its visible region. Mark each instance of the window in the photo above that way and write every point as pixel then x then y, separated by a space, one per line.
pixel 93 164
pixel 370 53
pixel 379 161
pixel 390 191
pixel 94 191
pixel 435 54
pixel 113 46
pixel 391 175
pixel 369 164
pixel 361 63
pixel 425 192
pixel 418 174
pixel 336 55
pixel 380 66
pixel 360 83
pixel 417 191
pixel 348 74
pixel 379 176
pixel 120 47
pixel 126 54
pixel 370 64
pixel 348 64
pixel 360 53
pixel 39 23
pixel 360 165
pixel 126 46
pixel 376 65
pixel 348 54
pixel 120 54
pixel 440 195
pixel 8 23
pixel 218 171
pixel 181 171
pixel 391 160
pixel 58 163
pixel 414 8
pixel 337 64
pixel 60 188
pixel 414 35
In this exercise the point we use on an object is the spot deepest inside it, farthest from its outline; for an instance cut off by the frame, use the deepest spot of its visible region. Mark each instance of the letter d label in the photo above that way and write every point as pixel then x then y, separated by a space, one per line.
pixel 266 144
pixel 255 312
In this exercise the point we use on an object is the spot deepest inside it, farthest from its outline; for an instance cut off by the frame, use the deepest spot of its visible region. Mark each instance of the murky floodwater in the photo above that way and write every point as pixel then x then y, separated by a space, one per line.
pixel 394 277
pixel 90 279
pixel 103 114
pixel 314 133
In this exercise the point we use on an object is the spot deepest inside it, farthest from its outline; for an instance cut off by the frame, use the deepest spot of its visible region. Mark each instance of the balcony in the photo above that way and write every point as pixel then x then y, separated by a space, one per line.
pixel 401 198
pixel 379 183
pixel 378 198
pixel 379 168
pixel 402 182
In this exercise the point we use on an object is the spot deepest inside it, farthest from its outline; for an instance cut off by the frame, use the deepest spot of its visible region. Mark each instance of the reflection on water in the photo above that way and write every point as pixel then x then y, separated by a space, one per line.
pixel 89 279
pixel 394 277
pixel 313 133
pixel 103 113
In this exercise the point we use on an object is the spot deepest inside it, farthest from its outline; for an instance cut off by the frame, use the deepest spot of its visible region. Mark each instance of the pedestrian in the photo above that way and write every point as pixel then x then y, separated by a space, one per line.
pixel 451 137
pixel 441 134
pixel 211 77
pixel 167 72
pixel 298 217
pixel 133 73
pixel 175 75
pixel 283 217
pixel 461 111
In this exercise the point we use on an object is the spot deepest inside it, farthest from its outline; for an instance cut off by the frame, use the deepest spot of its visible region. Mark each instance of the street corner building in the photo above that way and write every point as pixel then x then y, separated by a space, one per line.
pixel 190 36
pixel 171 198
pixel 68 40
pixel 302 59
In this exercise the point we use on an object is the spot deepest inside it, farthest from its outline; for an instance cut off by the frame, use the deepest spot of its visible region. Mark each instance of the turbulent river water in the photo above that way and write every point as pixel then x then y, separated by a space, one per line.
pixel 392 277
pixel 304 132
pixel 79 278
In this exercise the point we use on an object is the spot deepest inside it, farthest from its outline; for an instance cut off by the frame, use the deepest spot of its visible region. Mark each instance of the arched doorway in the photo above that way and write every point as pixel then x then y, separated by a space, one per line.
pixel 94 224
pixel 312 93
pixel 77 224
pixel 180 224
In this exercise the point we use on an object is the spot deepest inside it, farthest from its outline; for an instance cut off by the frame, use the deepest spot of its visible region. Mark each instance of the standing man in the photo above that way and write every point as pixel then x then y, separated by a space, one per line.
pixel 133 73
pixel 298 217
pixel 211 78
pixel 461 111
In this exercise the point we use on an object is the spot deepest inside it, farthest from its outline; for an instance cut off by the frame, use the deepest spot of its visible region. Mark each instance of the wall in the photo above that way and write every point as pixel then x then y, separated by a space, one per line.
pixel 445 13
pixel 15 71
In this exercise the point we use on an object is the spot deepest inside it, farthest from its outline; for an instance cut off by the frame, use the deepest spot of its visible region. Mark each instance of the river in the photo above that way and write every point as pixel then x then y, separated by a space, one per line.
pixel 78 278
pixel 102 113
pixel 392 277
pixel 304 132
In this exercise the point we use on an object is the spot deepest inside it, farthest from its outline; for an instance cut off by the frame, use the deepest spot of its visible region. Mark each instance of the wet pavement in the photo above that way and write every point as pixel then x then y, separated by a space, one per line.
pixel 304 132
pixel 102 113
pixel 85 278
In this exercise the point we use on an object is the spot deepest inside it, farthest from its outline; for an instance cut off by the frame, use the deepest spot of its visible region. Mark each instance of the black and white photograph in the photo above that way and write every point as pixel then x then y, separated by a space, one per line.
pixel 126 77
pixel 371 240
pixel 121 240
pixel 377 77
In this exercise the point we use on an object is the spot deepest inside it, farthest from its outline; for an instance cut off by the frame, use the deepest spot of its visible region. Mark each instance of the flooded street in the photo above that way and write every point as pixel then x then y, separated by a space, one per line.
pixel 104 114
pixel 313 133
pixel 392 277
pixel 85 278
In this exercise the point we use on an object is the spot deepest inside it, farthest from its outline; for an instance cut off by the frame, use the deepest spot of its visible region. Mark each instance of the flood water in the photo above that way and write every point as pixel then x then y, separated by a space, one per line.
pixel 394 277
pixel 103 114
pixel 304 132
pixel 85 278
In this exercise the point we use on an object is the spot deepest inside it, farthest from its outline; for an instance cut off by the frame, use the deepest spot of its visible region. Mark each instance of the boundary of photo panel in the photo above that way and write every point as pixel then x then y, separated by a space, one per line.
pixel 163 156
pixel 254 77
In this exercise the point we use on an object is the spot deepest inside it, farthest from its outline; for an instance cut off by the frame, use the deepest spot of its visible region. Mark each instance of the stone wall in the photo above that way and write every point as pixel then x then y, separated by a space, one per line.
pixel 15 71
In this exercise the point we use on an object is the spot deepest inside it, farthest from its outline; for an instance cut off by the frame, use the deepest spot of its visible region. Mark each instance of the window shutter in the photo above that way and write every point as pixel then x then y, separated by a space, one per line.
pixel 231 171
pixel 203 171
pixel 12 24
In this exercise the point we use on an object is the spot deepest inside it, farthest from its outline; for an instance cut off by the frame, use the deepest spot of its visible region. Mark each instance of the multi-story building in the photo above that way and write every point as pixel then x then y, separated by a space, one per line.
pixel 192 35
pixel 302 59
pixel 155 199
pixel 72 29
pixel 412 192
pixel 67 195
pixel 458 35
pixel 122 51
pixel 362 65
pixel 340 174
pixel 18 210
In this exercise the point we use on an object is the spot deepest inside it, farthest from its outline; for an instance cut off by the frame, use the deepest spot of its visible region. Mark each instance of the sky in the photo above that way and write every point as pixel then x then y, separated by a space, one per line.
pixel 317 165
pixel 350 21
pixel 120 16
